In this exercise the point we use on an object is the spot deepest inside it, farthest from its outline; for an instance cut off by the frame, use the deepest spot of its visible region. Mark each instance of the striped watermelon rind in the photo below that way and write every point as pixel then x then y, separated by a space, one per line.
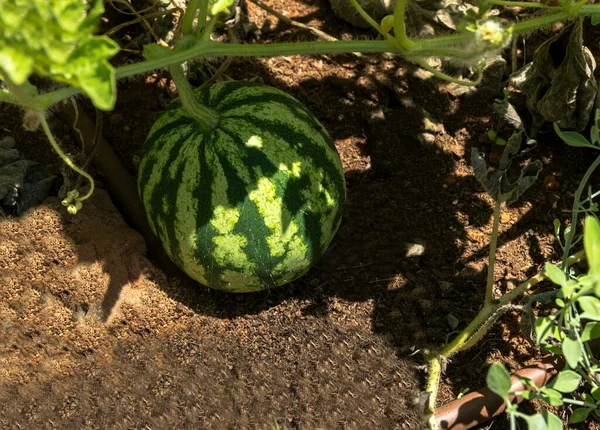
pixel 250 205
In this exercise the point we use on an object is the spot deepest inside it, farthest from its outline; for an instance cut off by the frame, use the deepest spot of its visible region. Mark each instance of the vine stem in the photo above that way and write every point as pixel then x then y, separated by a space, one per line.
pixel 489 288
pixel 518 4
pixel 476 328
pixel 575 211
pixel 187 26
pixel 63 156
pixel 437 46
pixel 204 5
pixel 207 118
pixel 400 25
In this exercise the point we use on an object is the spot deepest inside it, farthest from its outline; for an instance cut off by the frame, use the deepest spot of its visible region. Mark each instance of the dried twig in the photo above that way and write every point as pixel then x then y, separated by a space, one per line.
pixel 287 20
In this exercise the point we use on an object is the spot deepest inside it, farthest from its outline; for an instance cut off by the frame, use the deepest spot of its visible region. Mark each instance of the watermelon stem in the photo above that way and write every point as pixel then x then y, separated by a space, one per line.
pixel 208 119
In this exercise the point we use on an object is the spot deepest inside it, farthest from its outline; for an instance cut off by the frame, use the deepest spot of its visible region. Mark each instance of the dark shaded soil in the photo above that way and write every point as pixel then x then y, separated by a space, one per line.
pixel 93 335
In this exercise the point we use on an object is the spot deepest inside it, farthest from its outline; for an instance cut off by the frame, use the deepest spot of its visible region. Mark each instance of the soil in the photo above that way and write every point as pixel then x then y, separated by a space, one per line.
pixel 95 335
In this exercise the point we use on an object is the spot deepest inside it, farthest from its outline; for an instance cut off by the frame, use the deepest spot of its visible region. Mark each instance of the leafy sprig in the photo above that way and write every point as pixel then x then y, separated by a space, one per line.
pixel 567 332
pixel 55 38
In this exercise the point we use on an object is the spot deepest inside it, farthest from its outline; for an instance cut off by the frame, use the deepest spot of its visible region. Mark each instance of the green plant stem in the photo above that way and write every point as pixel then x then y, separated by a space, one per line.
pixel 209 48
pixel 8 97
pixel 208 29
pixel 187 26
pixel 518 4
pixel 206 118
pixel 489 288
pixel 449 78
pixel 575 211
pixel 476 328
pixel 400 25
pixel 64 156
pixel 422 48
pixel 366 16
pixel 202 18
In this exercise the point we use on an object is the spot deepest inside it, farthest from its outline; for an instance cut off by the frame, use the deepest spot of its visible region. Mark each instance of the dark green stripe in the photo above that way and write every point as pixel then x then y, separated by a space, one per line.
pixel 167 130
pixel 256 160
pixel 216 93
pixel 310 149
pixel 204 230
pixel 167 187
pixel 275 101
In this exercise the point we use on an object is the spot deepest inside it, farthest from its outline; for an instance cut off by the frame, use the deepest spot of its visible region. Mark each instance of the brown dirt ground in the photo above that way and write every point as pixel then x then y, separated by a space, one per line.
pixel 93 335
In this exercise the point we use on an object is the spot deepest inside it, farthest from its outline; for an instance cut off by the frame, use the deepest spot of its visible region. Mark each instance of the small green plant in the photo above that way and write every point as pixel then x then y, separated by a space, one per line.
pixel 575 320
pixel 568 332
pixel 500 105
pixel 503 190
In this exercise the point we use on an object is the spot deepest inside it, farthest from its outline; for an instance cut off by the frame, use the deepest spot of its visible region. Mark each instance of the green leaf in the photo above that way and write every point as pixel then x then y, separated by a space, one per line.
pixel 591 243
pixel 595 19
pixel 15 64
pixel 535 422
pixel 579 415
pixel 555 274
pixel 528 395
pixel 566 381
pixel 591 331
pixel 498 380
pixel 56 39
pixel 553 349
pixel 595 394
pixel 590 306
pixel 556 224
pixel 552 421
pixel 543 328
pixel 220 6
pixel 572 138
pixel 552 396
pixel 69 15
pixel 543 421
pixel 572 351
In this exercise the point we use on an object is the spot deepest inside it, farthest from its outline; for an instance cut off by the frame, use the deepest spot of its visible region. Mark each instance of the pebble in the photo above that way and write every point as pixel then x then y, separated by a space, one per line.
pixel 551 183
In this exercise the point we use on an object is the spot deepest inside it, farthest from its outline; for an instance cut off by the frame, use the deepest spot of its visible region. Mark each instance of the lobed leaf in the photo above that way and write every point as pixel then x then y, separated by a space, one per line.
pixel 55 38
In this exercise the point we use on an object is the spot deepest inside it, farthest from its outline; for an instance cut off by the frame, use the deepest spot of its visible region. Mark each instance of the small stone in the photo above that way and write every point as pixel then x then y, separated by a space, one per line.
pixel 452 321
pixel 426 138
pixel 375 115
pixel 551 183
pixel 414 250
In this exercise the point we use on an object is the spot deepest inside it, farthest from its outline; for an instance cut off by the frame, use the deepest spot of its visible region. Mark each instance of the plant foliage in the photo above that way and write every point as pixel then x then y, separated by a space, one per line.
pixel 56 38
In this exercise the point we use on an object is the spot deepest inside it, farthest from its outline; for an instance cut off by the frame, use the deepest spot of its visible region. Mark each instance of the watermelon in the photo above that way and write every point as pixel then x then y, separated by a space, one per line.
pixel 250 204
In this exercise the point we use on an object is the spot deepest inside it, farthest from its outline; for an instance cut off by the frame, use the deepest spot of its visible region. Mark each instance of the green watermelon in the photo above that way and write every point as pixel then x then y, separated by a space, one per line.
pixel 252 204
